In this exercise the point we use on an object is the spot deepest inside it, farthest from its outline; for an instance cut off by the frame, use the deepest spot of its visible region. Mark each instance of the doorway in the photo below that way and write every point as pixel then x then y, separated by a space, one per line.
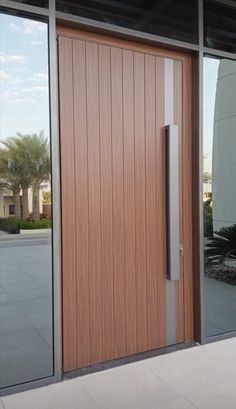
pixel 116 99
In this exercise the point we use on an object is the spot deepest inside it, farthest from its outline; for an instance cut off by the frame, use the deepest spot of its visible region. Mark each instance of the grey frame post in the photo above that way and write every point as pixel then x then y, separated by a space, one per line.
pixel 200 185
pixel 56 187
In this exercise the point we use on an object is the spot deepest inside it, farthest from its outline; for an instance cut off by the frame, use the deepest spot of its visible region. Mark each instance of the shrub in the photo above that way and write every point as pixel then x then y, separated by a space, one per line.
pixel 222 246
pixel 39 224
pixel 208 222
pixel 208 225
pixel 13 226
pixel 10 225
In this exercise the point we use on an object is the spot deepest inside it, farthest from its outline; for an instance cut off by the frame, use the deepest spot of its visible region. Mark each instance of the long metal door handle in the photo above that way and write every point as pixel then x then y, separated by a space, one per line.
pixel 172 202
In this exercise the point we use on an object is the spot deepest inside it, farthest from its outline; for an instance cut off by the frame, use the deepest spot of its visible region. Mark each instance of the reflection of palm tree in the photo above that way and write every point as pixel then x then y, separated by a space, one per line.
pixel 18 166
pixel 10 174
pixel 222 246
pixel 25 162
pixel 207 177
pixel 37 149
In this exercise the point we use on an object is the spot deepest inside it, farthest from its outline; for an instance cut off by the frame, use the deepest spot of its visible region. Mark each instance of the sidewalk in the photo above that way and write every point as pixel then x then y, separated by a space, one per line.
pixel 201 377
pixel 5 237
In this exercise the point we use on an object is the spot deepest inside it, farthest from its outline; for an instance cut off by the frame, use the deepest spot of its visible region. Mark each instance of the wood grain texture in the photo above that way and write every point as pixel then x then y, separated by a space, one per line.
pixel 81 201
pixel 140 201
pixel 113 197
pixel 129 201
pixel 106 203
pixel 151 201
pixel 69 278
pixel 118 201
pixel 161 205
pixel 120 43
pixel 94 208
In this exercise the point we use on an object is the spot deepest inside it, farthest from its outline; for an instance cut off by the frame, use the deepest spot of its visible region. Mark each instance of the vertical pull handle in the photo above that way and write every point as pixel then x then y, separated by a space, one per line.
pixel 172 202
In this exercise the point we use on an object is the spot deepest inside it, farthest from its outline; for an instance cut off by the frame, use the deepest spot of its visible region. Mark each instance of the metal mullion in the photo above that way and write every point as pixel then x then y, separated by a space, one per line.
pixel 211 52
pixel 200 172
pixel 12 5
pixel 56 188
pixel 201 221
pixel 220 337
pixel 26 386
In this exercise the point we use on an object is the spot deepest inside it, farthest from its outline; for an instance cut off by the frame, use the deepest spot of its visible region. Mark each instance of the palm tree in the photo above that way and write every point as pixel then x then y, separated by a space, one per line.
pixel 10 180
pixel 36 152
pixel 17 170
pixel 222 246
pixel 207 177
pixel 27 163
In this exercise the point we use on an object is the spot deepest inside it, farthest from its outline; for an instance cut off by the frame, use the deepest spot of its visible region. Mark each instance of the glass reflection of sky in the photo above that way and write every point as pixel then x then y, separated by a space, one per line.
pixel 210 72
pixel 24 103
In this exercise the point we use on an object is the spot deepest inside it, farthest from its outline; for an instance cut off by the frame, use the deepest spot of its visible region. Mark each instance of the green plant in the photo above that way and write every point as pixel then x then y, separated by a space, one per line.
pixel 39 224
pixel 222 246
pixel 208 222
pixel 13 225
pixel 24 163
pixel 10 225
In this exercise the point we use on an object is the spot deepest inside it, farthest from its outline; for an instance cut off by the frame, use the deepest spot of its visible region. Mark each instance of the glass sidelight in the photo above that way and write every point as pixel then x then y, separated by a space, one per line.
pixel 219 195
pixel 26 347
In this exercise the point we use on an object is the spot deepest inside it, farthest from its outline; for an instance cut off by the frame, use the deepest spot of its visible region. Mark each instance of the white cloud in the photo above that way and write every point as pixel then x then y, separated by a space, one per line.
pixel 11 58
pixel 4 76
pixel 33 27
pixel 39 76
pixel 24 93
pixel 12 93
pixel 37 89
pixel 34 42
pixel 15 27
pixel 30 27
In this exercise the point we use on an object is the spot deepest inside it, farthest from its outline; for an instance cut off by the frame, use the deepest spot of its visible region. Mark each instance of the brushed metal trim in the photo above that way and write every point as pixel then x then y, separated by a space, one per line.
pixel 169 117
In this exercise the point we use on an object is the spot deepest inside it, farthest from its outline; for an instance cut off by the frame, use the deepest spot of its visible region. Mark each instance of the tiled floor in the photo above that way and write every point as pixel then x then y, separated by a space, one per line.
pixel 201 377
pixel 25 308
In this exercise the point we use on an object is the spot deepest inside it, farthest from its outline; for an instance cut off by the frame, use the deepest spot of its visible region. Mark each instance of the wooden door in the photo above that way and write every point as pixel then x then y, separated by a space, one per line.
pixel 115 99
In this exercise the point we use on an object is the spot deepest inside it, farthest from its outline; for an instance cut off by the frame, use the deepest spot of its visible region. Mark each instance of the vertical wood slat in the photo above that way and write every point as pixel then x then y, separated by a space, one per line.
pixel 178 120
pixel 151 201
pixel 129 201
pixel 161 205
pixel 106 203
pixel 140 202
pixel 95 341
pixel 81 201
pixel 118 201
pixel 68 205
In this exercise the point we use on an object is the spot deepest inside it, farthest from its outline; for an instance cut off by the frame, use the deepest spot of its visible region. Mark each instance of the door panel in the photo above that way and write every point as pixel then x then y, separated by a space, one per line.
pixel 113 108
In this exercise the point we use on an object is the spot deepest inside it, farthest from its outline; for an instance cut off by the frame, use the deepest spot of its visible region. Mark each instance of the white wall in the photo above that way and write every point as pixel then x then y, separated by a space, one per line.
pixel 224 148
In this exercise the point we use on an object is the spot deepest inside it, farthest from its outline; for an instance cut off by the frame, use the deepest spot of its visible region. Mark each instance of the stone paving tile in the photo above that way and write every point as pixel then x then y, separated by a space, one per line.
pixel 201 377
pixel 66 395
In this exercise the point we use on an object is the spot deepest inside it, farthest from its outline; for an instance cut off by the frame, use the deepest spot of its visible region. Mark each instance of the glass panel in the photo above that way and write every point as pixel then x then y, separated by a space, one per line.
pixel 39 3
pixel 219 195
pixel 219 26
pixel 170 18
pixel 25 203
